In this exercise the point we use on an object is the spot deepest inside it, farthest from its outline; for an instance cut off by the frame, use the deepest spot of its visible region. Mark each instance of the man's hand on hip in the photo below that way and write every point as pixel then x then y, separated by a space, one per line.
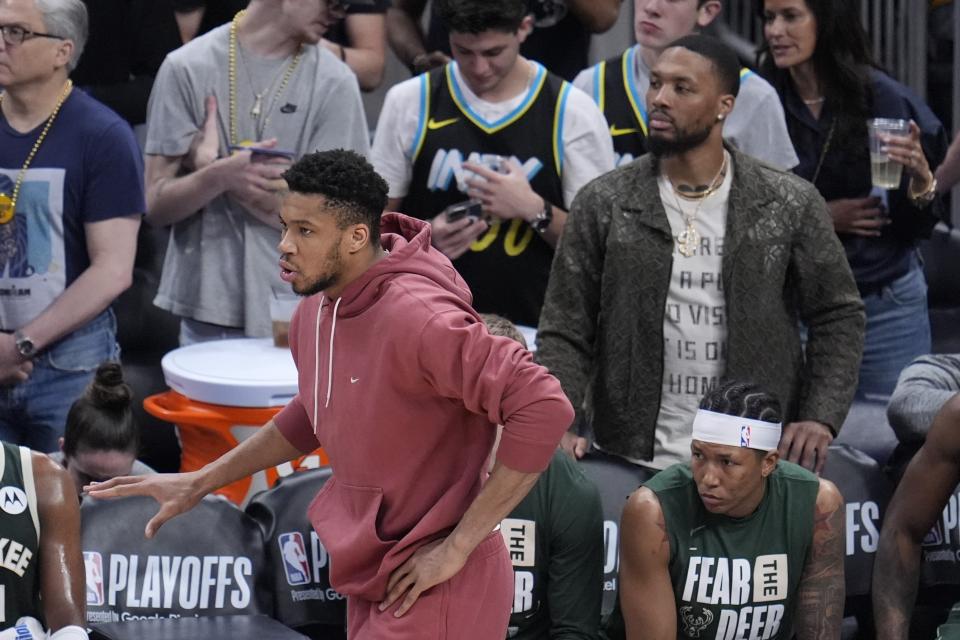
pixel 805 443
pixel 431 564
pixel 573 445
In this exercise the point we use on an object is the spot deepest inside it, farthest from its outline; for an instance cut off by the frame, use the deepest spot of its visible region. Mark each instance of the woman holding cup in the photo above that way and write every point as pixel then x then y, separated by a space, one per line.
pixel 855 130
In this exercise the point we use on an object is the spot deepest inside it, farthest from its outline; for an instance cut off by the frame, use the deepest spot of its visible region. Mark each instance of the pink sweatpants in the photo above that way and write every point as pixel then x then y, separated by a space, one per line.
pixel 472 605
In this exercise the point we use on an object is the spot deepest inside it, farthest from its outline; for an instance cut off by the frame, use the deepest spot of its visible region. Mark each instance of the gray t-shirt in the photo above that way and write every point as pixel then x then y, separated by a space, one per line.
pixel 924 387
pixel 221 263
pixel 756 125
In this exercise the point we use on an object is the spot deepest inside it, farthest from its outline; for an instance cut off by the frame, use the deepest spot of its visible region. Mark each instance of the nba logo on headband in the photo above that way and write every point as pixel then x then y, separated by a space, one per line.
pixel 735 431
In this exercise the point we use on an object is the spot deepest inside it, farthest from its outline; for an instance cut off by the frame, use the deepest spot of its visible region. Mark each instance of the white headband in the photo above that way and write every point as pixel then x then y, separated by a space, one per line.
pixel 734 431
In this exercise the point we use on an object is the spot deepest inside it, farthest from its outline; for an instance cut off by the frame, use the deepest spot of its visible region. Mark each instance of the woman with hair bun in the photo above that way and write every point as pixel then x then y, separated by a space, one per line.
pixel 101 439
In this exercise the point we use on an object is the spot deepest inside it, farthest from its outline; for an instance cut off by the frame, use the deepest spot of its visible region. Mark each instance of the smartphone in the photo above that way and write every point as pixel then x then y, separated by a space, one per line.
pixel 265 151
pixel 467 209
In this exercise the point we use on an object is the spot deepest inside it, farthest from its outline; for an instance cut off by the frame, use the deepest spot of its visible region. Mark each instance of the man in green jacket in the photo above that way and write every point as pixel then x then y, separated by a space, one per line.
pixel 695 264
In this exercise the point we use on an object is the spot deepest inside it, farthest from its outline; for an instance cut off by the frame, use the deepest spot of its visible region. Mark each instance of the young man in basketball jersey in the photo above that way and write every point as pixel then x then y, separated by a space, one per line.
pixel 737 543
pixel 499 129
pixel 41 568
pixel 618 85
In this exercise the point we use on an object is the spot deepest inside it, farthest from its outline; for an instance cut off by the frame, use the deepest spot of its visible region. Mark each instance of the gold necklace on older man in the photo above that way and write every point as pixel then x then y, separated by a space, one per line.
pixel 8 202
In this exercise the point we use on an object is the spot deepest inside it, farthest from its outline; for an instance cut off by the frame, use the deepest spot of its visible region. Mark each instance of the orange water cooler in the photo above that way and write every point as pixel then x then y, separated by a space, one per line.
pixel 221 393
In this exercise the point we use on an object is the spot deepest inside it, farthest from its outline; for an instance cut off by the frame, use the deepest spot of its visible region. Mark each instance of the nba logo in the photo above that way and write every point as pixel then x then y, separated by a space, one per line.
pixel 934 537
pixel 745 436
pixel 93 566
pixel 294 556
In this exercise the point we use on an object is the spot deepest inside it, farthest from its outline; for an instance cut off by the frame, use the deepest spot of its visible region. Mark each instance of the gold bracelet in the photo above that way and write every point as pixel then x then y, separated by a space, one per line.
pixel 925 197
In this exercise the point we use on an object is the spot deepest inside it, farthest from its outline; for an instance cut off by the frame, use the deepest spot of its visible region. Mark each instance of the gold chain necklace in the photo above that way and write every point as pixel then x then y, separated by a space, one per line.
pixel 689 239
pixel 8 203
pixel 695 195
pixel 257 110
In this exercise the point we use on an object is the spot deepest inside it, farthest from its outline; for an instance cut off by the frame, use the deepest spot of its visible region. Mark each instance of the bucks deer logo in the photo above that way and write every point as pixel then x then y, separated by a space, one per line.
pixel 695 620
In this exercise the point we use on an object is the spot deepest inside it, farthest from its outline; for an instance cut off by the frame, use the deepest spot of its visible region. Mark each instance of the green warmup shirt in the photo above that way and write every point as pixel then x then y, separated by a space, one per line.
pixel 19 538
pixel 735 578
pixel 555 540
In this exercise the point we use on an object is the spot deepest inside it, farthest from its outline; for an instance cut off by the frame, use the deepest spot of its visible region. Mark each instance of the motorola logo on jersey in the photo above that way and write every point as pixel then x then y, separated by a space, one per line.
pixel 294 557
pixel 93 565
pixel 157 583
pixel 13 500
pixel 447 167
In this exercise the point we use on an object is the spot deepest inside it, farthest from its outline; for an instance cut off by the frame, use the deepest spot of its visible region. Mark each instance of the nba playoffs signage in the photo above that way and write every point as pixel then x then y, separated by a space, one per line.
pixel 206 562
pixel 298 565
pixel 941 547
pixel 165 586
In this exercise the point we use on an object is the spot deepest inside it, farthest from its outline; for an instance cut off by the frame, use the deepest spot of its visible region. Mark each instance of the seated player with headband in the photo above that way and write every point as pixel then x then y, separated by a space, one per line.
pixel 738 543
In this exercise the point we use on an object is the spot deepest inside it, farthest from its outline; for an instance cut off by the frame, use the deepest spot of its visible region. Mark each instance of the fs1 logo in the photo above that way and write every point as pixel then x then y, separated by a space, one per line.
pixel 294 555
pixel 93 566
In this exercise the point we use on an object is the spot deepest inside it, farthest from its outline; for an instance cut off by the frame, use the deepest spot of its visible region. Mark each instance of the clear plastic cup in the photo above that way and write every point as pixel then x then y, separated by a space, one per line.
pixel 282 306
pixel 885 173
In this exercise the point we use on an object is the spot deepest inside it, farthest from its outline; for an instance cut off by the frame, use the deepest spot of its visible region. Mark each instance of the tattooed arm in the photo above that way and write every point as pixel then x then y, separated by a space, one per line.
pixel 923 491
pixel 646 593
pixel 821 592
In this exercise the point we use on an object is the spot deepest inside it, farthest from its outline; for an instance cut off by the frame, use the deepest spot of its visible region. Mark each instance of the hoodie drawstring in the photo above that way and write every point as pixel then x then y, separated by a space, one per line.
pixel 316 359
pixel 333 329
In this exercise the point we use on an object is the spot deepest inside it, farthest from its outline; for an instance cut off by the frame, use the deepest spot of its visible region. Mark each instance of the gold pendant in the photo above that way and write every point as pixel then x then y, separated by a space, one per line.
pixel 255 112
pixel 6 208
pixel 687 241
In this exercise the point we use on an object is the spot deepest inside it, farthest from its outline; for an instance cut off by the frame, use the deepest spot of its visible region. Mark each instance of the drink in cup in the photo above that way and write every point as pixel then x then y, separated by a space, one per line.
pixel 886 173
pixel 282 306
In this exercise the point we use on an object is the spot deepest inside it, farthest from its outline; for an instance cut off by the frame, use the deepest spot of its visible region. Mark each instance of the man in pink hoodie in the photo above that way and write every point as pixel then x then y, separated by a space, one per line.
pixel 403 386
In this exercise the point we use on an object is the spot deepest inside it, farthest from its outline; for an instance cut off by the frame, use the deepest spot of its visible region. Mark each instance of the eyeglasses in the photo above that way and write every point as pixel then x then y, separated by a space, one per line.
pixel 14 35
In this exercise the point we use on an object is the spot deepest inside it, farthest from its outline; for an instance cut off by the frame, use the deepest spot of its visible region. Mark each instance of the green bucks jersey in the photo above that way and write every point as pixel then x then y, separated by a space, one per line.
pixel 19 537
pixel 737 578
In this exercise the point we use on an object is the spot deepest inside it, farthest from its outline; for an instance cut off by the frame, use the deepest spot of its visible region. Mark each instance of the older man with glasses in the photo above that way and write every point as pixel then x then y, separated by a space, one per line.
pixel 71 197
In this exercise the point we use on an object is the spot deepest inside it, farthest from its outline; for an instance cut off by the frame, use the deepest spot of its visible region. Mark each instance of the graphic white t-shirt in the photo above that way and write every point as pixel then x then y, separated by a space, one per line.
pixel 695 321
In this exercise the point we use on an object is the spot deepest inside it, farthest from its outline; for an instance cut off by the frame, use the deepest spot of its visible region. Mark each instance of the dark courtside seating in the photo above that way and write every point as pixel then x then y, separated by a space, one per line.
pixel 206 562
pixel 297 563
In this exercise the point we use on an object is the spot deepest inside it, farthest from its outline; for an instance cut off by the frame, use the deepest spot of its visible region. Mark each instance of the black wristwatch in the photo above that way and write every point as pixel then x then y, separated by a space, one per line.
pixel 25 346
pixel 542 222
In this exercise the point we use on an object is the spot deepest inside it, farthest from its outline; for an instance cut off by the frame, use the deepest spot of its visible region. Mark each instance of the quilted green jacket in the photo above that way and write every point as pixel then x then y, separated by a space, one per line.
pixel 601 329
